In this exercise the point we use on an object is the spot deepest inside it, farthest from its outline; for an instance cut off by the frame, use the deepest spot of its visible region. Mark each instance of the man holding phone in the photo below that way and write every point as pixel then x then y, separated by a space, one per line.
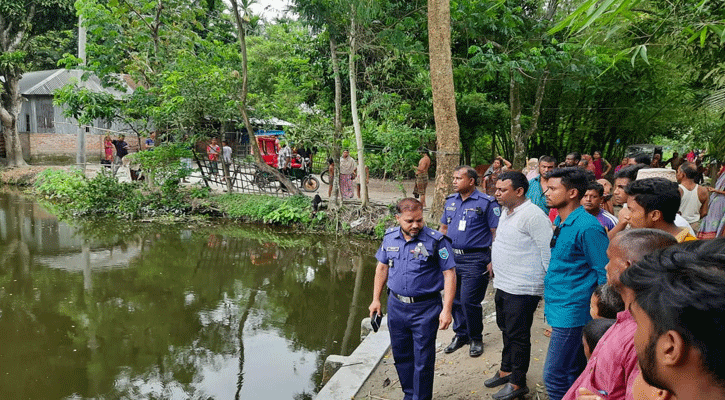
pixel 416 263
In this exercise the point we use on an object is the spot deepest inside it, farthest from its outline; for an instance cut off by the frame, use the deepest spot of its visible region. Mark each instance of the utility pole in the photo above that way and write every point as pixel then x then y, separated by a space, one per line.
pixel 81 137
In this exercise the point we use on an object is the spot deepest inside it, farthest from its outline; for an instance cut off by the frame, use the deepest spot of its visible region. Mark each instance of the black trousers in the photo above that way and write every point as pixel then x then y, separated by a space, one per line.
pixel 514 316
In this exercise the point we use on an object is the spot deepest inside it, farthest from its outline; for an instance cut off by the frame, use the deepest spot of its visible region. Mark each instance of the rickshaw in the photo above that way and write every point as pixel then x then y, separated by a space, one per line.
pixel 301 169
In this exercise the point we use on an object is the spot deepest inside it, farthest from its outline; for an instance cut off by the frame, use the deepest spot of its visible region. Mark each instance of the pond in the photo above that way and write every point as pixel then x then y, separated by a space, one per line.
pixel 144 310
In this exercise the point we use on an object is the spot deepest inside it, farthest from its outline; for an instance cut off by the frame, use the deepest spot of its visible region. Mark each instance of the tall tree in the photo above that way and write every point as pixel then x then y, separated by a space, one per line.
pixel 514 44
pixel 20 20
pixel 444 100
pixel 242 16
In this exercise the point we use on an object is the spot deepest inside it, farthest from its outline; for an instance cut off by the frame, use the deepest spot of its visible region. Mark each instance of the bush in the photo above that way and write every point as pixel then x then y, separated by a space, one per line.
pixel 267 209
pixel 104 195
pixel 60 186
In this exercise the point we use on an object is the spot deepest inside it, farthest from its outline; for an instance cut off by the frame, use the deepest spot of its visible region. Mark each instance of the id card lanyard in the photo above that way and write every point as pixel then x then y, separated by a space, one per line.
pixel 462 222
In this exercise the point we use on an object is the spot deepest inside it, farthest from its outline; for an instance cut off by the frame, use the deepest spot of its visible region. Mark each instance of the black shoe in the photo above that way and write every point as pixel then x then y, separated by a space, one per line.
pixel 476 348
pixel 456 344
pixel 508 392
pixel 496 380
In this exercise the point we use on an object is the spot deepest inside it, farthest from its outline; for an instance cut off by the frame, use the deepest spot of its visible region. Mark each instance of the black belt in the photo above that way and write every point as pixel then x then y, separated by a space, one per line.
pixel 415 299
pixel 469 251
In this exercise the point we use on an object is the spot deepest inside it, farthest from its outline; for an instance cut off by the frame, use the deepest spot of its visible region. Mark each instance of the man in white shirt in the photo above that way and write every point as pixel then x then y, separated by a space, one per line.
pixel 284 158
pixel 695 198
pixel 519 259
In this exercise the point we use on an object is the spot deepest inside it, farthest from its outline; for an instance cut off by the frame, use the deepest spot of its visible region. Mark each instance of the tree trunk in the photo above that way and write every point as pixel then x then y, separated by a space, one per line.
pixel 520 137
pixel 9 111
pixel 355 118
pixel 336 200
pixel 258 160
pixel 444 101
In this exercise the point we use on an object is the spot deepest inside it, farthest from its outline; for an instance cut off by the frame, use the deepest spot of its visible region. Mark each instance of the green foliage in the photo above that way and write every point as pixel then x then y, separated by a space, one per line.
pixel 383 225
pixel 279 211
pixel 85 105
pixel 162 165
pixel 399 144
pixel 199 192
pixel 103 195
pixel 60 186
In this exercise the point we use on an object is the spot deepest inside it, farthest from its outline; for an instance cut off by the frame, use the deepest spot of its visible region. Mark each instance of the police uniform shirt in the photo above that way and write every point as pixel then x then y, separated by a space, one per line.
pixel 415 266
pixel 470 221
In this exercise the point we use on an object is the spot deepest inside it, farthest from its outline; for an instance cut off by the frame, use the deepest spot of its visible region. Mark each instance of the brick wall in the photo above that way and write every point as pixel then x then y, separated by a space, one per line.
pixel 59 146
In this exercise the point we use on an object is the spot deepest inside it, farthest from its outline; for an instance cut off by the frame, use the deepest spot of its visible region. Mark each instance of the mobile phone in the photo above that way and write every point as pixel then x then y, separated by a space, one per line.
pixel 376 320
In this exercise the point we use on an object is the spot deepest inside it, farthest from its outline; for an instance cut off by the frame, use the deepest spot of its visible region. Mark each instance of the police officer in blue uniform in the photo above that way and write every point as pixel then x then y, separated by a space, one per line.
pixel 416 262
pixel 470 219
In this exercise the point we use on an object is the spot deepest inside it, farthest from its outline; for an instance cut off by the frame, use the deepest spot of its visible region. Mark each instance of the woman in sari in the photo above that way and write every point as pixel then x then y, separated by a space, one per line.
pixel 712 225
pixel 108 149
pixel 347 174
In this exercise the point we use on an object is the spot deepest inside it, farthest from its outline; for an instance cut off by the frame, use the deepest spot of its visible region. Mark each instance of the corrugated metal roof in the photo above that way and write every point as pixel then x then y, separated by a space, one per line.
pixel 39 83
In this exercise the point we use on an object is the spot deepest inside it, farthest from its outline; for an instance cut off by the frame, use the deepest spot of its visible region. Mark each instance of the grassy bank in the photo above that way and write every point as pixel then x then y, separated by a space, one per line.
pixel 72 195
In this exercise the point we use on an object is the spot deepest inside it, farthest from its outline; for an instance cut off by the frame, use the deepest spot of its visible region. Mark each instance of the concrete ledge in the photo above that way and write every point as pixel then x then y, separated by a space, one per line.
pixel 354 370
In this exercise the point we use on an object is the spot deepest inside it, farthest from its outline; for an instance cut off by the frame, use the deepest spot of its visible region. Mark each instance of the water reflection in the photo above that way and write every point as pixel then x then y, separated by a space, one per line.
pixel 117 310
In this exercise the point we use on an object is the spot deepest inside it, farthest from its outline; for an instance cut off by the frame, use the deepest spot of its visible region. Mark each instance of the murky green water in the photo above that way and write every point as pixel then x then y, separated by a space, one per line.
pixel 146 311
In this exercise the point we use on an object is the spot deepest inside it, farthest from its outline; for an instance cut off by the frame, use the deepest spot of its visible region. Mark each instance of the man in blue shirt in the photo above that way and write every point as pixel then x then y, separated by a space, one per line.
pixel 470 219
pixel 417 263
pixel 537 186
pixel 578 258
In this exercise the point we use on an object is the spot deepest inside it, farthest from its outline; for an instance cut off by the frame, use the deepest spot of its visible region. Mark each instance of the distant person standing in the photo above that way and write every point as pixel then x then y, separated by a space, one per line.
pixel 331 174
pixel 578 257
pixel 212 152
pixel 150 142
pixel 519 258
pixel 421 176
pixel 121 152
pixel 284 158
pixel 470 219
pixel 108 150
pixel 601 166
pixel 695 198
pixel 713 225
pixel 415 262
pixel 357 180
pixel 624 163
pixel 691 156
pixel 675 161
pixel 226 152
pixel 537 186
pixel 498 166
pixel 348 166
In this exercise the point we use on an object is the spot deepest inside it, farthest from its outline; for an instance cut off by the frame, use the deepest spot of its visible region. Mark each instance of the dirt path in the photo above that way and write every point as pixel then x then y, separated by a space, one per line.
pixel 386 191
pixel 460 377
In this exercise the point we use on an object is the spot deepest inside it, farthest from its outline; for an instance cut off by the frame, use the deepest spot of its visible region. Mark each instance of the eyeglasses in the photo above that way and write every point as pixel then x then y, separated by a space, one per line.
pixel 556 236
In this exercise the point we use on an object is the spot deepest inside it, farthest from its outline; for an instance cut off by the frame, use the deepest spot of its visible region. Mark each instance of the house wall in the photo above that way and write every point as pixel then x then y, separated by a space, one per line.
pixel 61 147
pixel 48 136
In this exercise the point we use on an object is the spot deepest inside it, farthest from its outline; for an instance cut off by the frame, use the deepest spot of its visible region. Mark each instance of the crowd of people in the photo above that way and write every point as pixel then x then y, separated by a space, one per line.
pixel 631 272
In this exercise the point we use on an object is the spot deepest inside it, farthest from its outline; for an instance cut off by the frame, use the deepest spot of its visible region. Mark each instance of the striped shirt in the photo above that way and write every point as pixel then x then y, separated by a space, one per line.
pixel 607 220
pixel 520 253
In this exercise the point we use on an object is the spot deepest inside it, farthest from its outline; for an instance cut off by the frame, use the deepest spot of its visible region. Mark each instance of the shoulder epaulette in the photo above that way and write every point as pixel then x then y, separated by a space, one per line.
pixel 451 195
pixel 435 234
pixel 391 230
